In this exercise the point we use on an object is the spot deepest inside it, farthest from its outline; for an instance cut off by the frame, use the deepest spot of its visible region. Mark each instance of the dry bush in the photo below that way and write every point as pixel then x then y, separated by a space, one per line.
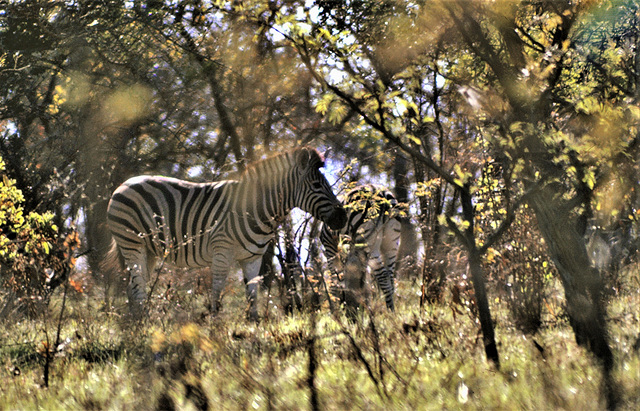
pixel 29 276
pixel 520 268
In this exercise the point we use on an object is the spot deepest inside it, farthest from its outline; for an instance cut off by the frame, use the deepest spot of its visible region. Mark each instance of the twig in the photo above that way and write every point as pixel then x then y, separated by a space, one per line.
pixel 155 282
pixel 50 351
pixel 313 365
pixel 364 361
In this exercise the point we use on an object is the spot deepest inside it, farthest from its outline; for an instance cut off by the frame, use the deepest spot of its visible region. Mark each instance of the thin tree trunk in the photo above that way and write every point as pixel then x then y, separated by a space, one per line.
pixel 408 249
pixel 478 280
pixel 484 312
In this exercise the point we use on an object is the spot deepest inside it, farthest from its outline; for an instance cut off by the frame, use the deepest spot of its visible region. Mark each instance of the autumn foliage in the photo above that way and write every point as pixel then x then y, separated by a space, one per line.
pixel 34 257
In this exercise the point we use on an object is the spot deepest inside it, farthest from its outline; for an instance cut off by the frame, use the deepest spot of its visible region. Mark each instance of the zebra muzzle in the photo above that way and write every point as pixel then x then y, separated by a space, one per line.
pixel 338 218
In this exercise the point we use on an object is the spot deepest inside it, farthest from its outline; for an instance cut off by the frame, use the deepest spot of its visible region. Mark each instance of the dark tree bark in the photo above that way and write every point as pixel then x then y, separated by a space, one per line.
pixel 477 278
pixel 583 285
pixel 408 248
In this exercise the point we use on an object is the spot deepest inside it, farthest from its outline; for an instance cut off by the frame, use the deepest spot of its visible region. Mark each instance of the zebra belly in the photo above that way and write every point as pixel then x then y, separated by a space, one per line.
pixel 233 249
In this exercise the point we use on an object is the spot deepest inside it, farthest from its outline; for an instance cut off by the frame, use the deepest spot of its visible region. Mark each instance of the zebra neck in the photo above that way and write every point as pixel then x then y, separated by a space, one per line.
pixel 265 202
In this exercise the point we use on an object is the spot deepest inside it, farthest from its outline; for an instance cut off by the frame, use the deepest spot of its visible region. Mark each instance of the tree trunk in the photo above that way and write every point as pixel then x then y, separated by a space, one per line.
pixel 484 312
pixel 478 280
pixel 582 283
pixel 408 249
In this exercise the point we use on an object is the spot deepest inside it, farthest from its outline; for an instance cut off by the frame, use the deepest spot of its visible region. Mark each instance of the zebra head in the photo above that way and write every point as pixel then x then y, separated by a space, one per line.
pixel 314 194
pixel 372 199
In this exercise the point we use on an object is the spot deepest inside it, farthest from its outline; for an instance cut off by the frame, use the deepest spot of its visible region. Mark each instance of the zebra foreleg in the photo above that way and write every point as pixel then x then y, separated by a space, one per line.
pixel 219 272
pixel 354 280
pixel 251 269
pixel 335 284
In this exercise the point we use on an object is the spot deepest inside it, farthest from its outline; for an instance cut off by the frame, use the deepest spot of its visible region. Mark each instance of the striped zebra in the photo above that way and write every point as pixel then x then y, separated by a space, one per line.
pixel 374 230
pixel 212 224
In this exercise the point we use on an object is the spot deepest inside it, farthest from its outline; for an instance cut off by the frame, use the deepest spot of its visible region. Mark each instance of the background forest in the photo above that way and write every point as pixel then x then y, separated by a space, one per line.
pixel 509 128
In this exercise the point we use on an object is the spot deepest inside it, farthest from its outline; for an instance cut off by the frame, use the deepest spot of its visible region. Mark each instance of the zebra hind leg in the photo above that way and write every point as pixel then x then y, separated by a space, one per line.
pixel 389 251
pixel 137 267
pixel 383 275
pixel 384 278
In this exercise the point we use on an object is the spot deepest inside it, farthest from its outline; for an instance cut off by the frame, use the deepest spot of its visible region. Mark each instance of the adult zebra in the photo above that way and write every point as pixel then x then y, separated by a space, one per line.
pixel 213 224
pixel 374 230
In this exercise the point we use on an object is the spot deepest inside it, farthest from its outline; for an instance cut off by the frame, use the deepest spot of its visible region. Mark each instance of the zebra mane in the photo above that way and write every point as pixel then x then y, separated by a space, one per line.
pixel 263 170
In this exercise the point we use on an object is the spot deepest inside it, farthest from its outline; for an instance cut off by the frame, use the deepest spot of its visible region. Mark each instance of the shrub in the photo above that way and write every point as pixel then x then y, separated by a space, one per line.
pixel 34 257
pixel 517 264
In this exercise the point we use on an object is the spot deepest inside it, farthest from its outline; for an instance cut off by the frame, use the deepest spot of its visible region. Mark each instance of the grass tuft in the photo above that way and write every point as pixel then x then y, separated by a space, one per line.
pixel 430 358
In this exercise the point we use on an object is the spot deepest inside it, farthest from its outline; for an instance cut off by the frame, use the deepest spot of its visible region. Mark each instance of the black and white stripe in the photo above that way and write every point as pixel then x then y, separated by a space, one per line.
pixel 212 224
pixel 373 229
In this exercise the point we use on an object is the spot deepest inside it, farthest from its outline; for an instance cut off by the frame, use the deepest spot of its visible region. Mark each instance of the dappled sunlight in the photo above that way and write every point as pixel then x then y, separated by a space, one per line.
pixel 126 104
pixel 609 197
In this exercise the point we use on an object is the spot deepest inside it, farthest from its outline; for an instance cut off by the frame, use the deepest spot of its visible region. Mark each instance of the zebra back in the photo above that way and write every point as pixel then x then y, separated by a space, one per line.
pixel 168 217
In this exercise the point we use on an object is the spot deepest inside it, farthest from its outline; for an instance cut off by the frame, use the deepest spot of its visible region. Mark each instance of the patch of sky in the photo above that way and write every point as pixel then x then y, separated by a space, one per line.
pixel 8 127
pixel 304 16
pixel 195 172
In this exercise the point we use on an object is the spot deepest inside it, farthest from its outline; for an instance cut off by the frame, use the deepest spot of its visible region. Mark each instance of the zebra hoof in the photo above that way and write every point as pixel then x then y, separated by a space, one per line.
pixel 137 311
pixel 215 308
pixel 253 317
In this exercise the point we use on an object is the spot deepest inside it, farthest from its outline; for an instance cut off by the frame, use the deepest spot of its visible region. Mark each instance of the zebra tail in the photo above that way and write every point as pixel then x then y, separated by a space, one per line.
pixel 112 274
pixel 113 261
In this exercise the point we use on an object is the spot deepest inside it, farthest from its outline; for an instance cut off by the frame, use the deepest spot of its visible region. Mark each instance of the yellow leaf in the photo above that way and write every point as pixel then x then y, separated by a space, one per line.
pixel 414 139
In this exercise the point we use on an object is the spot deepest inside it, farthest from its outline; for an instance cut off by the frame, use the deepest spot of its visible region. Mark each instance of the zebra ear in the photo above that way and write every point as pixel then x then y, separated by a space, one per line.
pixel 316 159
pixel 303 157
pixel 308 158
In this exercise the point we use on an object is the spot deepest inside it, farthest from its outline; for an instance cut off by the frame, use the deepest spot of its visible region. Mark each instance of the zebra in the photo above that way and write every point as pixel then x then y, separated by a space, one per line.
pixel 212 224
pixel 374 228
